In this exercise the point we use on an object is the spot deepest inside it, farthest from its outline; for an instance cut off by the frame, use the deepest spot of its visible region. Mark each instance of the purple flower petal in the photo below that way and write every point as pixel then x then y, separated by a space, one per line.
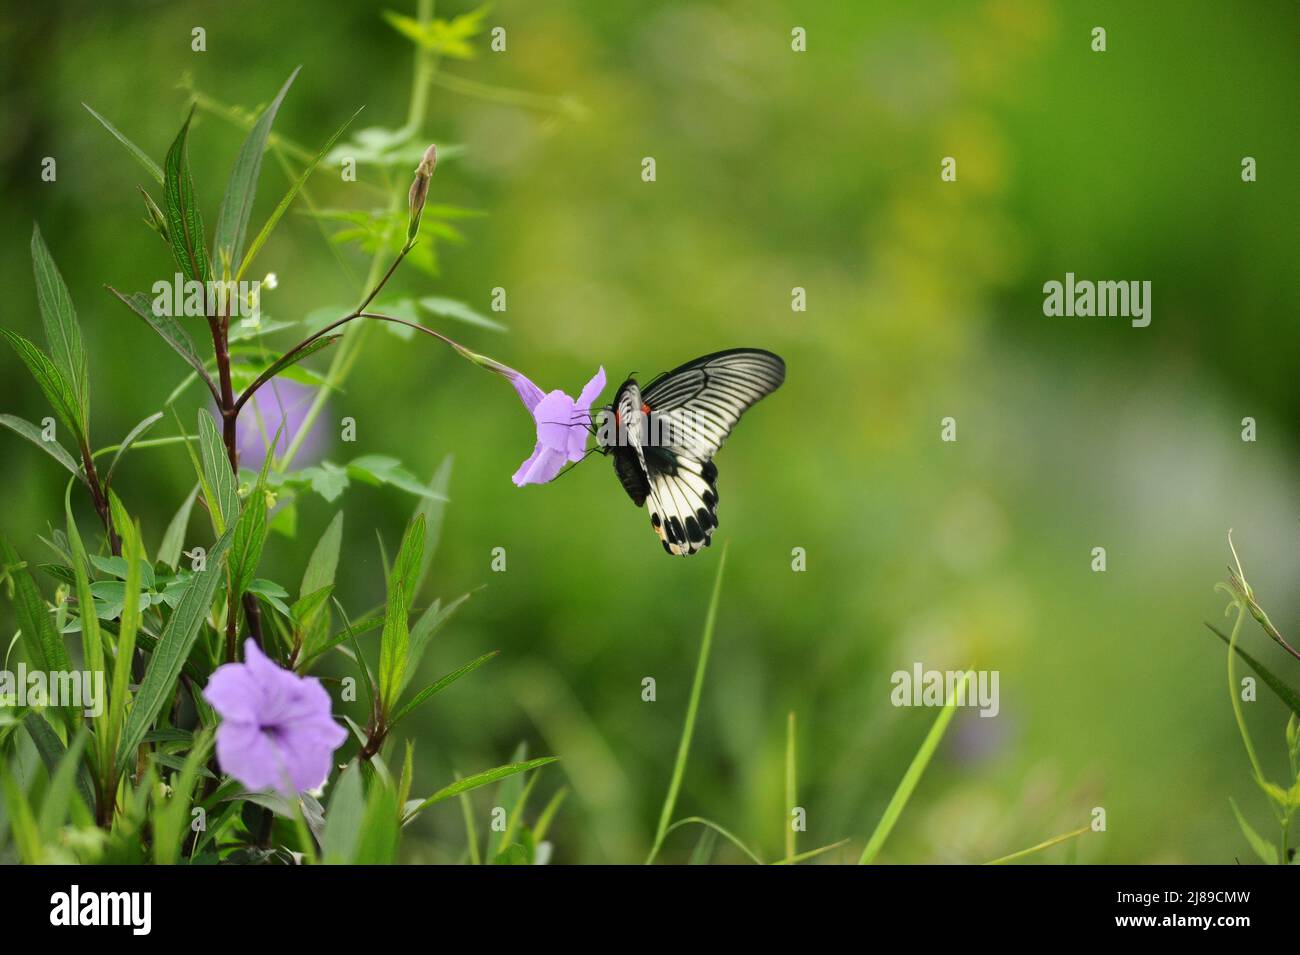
pixel 529 393
pixel 543 466
pixel 561 427
pixel 276 729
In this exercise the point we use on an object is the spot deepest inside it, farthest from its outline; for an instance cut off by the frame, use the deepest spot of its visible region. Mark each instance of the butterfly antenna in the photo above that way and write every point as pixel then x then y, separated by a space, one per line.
pixel 569 467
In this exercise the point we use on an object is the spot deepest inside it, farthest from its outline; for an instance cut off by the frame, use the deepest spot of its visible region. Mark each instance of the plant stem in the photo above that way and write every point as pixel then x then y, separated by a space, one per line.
pixel 426 64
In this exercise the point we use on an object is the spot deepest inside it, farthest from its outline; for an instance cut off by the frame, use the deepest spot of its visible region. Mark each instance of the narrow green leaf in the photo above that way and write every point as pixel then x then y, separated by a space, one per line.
pixel 485 778
pixel 51 750
pixel 394 643
pixel 169 330
pixel 1284 692
pixel 1045 844
pixel 52 447
pixel 173 542
pixel 140 156
pixel 171 817
pixel 131 438
pixel 377 844
pixel 283 205
pixel 306 610
pixel 63 782
pixel 250 537
pixel 410 555
pixel 184 220
pixel 62 333
pixel 428 623
pixel 45 649
pixel 439 685
pixel 27 836
pixel 232 221
pixel 128 628
pixel 1263 848
pixel 216 471
pixel 292 358
pixel 53 385
pixel 92 647
pixel 173 650
pixel 321 567
pixel 343 818
pixel 914 772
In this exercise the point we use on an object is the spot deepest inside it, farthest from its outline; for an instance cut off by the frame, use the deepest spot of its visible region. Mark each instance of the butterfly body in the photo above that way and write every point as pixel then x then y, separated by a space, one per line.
pixel 663 438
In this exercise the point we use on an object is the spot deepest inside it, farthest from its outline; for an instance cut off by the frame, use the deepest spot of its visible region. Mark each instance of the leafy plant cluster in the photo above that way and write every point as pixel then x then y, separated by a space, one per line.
pixel 138 781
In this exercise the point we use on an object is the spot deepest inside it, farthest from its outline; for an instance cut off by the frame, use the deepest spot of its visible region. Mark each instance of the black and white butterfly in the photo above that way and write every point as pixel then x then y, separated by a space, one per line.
pixel 663 438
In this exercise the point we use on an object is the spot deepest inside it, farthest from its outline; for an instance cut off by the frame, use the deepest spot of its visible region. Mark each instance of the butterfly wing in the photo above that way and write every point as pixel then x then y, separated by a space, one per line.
pixel 691 411
pixel 693 408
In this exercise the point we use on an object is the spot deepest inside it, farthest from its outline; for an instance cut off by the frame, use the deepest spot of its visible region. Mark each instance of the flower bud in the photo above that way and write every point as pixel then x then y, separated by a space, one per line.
pixel 420 190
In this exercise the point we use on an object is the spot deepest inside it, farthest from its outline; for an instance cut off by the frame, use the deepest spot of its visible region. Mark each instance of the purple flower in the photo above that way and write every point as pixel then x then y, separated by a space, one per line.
pixel 276 729
pixel 279 402
pixel 561 427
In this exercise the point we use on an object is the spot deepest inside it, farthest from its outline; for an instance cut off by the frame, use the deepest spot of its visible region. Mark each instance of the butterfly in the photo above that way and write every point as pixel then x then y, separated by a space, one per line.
pixel 663 438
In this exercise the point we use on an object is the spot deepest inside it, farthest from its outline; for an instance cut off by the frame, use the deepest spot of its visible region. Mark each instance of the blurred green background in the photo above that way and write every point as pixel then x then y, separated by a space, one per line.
pixel 775 169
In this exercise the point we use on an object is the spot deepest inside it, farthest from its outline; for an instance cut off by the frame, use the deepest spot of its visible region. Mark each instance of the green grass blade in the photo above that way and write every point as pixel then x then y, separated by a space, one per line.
pixel 131 438
pixel 791 799
pixel 812 853
pixel 709 823
pixel 22 822
pixel 471 830
pixel 688 730
pixel 173 542
pixel 914 772
pixel 1045 844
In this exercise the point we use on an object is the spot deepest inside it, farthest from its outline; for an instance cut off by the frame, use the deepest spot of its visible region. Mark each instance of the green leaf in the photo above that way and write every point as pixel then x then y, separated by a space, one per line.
pixel 171 818
pixel 440 685
pixel 377 843
pixel 232 221
pixel 1263 848
pixel 63 782
pixel 382 469
pixel 410 555
pixel 429 623
pixel 128 628
pixel 284 203
pixel 914 772
pixel 461 312
pixel 62 333
pixel 132 436
pixel 52 447
pixel 173 650
pixel 306 610
pixel 250 537
pixel 394 642
pixel 321 568
pixel 442 37
pixel 132 148
pixel 169 330
pixel 27 836
pixel 343 818
pixel 51 749
pixel 292 358
pixel 44 645
pixel 92 647
pixel 224 500
pixel 184 220
pixel 1274 683
pixel 485 778
pixel 58 392
pixel 173 542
